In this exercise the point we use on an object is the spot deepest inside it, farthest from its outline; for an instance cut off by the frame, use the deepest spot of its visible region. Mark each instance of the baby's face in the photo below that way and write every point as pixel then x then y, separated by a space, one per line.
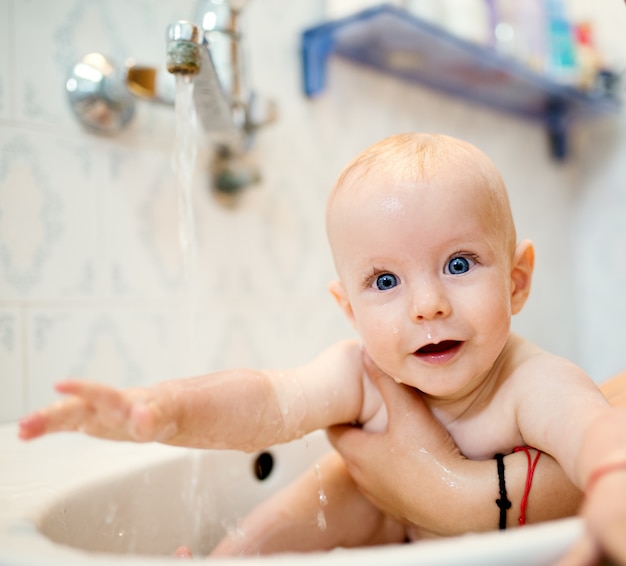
pixel 426 270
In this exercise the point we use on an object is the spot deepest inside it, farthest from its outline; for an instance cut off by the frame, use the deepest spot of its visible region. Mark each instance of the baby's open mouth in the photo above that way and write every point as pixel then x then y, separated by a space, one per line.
pixel 440 348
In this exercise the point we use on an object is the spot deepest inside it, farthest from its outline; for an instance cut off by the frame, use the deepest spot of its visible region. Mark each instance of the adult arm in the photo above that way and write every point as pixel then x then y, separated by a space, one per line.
pixel 410 470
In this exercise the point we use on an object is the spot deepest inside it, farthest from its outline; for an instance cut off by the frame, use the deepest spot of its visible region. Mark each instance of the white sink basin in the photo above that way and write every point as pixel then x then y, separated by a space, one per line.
pixel 69 500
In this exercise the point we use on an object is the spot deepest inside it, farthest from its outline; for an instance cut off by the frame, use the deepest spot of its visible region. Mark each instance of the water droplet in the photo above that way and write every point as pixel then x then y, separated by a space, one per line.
pixel 323 500
pixel 111 513
pixel 321 520
pixel 235 531
pixel 318 472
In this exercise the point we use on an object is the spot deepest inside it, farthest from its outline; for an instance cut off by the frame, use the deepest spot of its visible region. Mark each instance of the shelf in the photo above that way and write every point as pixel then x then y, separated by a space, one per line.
pixel 395 42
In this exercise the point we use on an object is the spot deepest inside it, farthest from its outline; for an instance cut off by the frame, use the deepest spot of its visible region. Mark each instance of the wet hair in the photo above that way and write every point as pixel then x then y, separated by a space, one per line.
pixel 421 156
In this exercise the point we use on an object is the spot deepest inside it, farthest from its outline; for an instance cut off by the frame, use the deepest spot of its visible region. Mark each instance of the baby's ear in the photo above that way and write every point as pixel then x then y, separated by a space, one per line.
pixel 338 291
pixel 521 274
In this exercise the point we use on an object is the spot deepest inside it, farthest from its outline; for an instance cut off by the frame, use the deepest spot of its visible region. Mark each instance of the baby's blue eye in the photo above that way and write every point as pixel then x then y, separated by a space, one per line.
pixel 386 281
pixel 458 265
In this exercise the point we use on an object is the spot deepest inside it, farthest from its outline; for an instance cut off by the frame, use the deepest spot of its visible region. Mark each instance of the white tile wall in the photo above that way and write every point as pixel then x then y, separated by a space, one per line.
pixel 91 278
pixel 49 227
pixel 5 58
pixel 122 346
pixel 12 363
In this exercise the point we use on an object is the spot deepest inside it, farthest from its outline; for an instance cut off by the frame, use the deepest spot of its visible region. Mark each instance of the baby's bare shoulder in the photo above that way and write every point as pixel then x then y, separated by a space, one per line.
pixel 536 385
pixel 529 366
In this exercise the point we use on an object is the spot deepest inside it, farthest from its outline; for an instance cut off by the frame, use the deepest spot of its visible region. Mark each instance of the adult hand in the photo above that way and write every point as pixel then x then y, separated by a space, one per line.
pixel 410 470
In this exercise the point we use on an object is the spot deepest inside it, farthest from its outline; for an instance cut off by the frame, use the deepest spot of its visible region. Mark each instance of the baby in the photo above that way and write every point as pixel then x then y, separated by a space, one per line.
pixel 430 273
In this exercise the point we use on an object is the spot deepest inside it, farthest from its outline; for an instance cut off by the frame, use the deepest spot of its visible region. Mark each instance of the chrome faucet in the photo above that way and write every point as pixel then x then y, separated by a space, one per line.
pixel 211 52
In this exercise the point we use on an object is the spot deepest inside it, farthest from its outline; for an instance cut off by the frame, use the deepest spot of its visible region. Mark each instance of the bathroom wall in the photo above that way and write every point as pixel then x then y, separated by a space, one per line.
pixel 599 230
pixel 91 279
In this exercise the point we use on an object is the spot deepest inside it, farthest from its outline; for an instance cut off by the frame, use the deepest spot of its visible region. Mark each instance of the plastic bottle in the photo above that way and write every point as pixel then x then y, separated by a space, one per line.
pixel 519 31
pixel 562 62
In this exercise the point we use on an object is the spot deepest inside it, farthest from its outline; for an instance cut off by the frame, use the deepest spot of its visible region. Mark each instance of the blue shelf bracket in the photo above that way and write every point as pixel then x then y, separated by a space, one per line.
pixel 317 45
pixel 557 128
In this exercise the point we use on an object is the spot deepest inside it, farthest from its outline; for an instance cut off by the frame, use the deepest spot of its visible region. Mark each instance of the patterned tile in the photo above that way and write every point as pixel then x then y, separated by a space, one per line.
pixel 140 216
pixel 12 384
pixel 119 346
pixel 259 333
pixel 48 225
pixel 5 59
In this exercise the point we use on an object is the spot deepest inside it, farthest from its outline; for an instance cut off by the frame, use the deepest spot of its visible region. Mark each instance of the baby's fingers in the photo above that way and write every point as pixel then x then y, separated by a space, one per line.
pixel 92 408
pixel 101 411
pixel 110 406
pixel 131 414
pixel 66 415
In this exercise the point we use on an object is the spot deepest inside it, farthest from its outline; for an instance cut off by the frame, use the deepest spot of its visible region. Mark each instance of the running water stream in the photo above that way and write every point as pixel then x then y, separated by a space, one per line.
pixel 184 164
pixel 184 160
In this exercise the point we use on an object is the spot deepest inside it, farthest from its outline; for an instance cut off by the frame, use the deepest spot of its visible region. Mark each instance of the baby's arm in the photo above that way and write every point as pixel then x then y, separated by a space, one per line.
pixel 239 409
pixel 602 461
pixel 588 438
pixel 557 405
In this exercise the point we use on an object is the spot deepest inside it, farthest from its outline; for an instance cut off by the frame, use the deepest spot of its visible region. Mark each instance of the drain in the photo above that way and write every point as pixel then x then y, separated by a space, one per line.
pixel 263 465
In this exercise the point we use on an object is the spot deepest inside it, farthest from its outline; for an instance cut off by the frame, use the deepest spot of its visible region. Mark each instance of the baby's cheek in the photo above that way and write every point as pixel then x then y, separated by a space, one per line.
pixel 375 343
pixel 382 355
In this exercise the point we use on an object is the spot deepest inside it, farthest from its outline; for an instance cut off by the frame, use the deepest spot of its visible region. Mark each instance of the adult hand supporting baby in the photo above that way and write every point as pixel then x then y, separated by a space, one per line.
pixel 410 470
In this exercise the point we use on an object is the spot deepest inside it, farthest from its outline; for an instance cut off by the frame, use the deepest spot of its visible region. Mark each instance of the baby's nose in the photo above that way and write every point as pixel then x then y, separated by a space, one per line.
pixel 429 302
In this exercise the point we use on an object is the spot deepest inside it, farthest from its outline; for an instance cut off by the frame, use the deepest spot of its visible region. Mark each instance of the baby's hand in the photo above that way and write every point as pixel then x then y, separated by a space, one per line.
pixel 104 412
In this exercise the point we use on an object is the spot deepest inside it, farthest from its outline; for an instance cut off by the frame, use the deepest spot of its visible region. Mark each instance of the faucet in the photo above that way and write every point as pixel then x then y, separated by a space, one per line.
pixel 210 52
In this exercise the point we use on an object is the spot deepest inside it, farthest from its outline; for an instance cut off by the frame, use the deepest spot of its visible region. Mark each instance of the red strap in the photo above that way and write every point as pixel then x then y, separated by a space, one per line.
pixel 529 480
pixel 602 471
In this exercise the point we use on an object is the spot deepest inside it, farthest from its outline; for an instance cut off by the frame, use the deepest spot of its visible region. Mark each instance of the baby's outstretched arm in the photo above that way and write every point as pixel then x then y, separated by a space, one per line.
pixel 241 409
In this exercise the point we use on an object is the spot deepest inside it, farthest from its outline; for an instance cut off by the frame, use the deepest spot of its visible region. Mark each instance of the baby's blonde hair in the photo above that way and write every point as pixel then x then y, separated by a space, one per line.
pixel 421 156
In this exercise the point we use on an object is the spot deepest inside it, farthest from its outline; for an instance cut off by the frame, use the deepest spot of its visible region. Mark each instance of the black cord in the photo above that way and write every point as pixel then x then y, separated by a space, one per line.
pixel 503 503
